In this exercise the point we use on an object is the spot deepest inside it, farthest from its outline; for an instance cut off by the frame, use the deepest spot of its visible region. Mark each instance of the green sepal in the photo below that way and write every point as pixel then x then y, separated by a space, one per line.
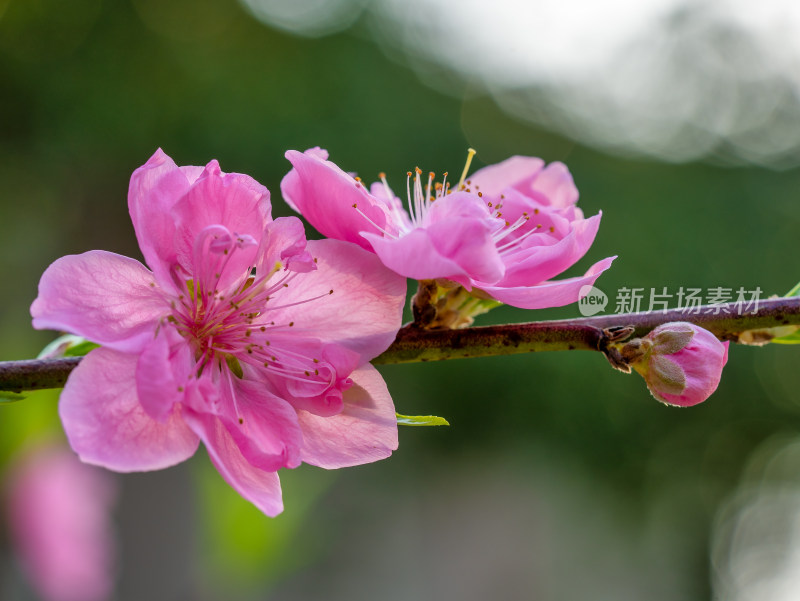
pixel 485 305
pixel 6 396
pixel 793 292
pixel 421 420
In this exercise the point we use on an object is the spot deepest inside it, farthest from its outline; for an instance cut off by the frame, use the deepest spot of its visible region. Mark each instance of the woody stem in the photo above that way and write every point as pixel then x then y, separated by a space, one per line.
pixel 413 344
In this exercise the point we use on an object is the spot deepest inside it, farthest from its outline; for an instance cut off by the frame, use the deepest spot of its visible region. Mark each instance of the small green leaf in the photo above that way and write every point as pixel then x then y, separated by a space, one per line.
pixel 421 420
pixel 794 291
pixel 6 396
pixel 67 345
pixel 790 339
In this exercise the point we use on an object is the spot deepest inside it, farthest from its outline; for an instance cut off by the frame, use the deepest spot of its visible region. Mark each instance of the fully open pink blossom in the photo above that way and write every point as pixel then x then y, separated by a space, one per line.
pixel 60 525
pixel 506 231
pixel 681 363
pixel 240 334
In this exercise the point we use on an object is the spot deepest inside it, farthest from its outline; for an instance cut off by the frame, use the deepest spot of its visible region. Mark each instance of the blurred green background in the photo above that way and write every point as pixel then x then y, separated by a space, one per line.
pixel 558 478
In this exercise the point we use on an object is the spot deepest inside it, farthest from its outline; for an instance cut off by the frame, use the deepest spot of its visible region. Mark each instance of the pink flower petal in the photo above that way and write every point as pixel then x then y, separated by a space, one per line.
pixel 162 371
pixel 109 299
pixel 460 250
pixel 555 186
pixel 365 431
pixel 321 395
pixel 515 172
pixel 415 256
pixel 325 195
pixel 285 238
pixel 154 189
pixel 107 426
pixel 261 488
pixel 549 294
pixel 268 434
pixel 540 263
pixel 231 200
pixel 366 307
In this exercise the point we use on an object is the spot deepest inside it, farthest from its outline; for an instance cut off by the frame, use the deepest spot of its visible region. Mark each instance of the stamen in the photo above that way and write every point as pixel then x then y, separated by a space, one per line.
pixel 512 243
pixel 386 187
pixel 301 302
pixel 431 175
pixel 372 223
pixel 408 196
pixel 470 153
pixel 293 366
pixel 417 216
pixel 233 398
pixel 503 232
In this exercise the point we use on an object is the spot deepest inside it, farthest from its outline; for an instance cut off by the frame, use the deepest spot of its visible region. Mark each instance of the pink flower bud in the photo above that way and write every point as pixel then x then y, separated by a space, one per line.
pixel 680 362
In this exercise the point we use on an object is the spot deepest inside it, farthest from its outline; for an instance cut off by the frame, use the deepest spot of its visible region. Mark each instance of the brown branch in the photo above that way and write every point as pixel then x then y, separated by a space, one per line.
pixel 36 374
pixel 724 321
pixel 414 344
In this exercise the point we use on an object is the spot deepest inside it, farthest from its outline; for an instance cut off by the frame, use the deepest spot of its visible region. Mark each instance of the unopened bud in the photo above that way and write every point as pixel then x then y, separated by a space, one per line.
pixel 680 362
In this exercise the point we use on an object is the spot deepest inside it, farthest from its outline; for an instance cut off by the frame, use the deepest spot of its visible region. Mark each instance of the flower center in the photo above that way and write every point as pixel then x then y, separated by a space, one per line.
pixel 419 200
pixel 230 318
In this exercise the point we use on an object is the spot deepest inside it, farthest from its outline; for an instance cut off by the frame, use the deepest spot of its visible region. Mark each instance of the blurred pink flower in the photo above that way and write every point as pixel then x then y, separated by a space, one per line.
pixel 681 363
pixel 506 230
pixel 242 336
pixel 59 513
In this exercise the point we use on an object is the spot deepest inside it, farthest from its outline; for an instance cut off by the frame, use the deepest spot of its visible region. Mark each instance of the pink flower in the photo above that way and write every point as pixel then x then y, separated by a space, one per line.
pixel 680 362
pixel 242 336
pixel 506 231
pixel 59 519
pixel 543 232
